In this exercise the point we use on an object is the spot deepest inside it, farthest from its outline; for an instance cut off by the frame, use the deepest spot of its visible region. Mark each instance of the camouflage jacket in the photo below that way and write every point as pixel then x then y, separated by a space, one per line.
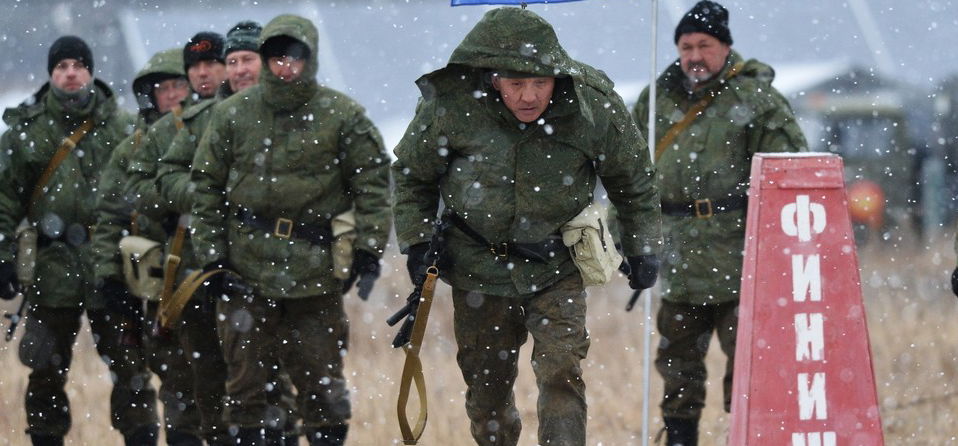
pixel 65 212
pixel 712 159
pixel 515 182
pixel 114 211
pixel 295 151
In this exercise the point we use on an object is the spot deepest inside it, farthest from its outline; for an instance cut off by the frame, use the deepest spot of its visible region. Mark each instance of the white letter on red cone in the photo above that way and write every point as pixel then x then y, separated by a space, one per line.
pixel 809 336
pixel 801 218
pixel 814 439
pixel 806 278
pixel 811 398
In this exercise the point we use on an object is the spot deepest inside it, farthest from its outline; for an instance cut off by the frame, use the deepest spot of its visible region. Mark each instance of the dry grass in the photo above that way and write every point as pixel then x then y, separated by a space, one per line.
pixel 911 316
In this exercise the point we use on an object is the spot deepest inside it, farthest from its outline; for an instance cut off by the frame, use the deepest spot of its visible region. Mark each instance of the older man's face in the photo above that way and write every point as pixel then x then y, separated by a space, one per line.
pixel 701 56
pixel 527 98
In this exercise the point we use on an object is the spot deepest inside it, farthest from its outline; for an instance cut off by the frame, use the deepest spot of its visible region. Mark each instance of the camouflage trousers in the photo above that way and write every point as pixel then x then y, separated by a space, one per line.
pixel 489 332
pixel 167 359
pixel 686 331
pixel 47 349
pixel 306 337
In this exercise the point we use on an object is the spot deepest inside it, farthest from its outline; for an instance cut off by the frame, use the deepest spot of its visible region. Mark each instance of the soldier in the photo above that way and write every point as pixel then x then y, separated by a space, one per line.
pixel 159 88
pixel 278 161
pixel 51 159
pixel 714 110
pixel 176 191
pixel 511 135
pixel 205 69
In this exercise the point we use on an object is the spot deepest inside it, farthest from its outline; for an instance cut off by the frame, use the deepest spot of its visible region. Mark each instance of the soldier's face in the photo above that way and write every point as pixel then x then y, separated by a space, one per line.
pixel 286 68
pixel 527 98
pixel 206 76
pixel 701 56
pixel 70 75
pixel 242 69
pixel 169 93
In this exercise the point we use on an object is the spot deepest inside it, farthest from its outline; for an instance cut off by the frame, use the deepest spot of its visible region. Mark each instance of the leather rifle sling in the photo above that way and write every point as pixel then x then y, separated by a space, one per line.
pixel 134 216
pixel 171 312
pixel 67 146
pixel 690 116
pixel 412 368
pixel 172 266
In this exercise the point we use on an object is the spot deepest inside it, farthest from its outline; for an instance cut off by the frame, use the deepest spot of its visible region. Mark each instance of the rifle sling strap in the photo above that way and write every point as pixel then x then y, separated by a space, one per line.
pixel 412 368
pixel 67 146
pixel 690 116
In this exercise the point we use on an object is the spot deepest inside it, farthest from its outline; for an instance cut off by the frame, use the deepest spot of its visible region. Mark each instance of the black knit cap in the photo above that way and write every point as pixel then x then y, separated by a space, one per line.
pixel 69 47
pixel 243 37
pixel 203 46
pixel 706 17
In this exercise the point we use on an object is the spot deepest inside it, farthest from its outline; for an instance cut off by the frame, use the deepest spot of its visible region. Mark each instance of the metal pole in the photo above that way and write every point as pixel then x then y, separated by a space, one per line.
pixel 647 309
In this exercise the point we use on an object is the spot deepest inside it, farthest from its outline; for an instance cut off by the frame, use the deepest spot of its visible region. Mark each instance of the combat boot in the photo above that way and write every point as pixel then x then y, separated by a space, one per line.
pixel 145 435
pixel 46 440
pixel 681 432
pixel 180 438
pixel 328 435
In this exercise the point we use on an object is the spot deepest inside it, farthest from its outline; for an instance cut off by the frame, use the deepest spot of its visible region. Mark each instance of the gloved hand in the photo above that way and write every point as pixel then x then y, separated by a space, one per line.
pixel 224 283
pixel 415 261
pixel 119 300
pixel 366 268
pixel 644 271
pixel 954 281
pixel 9 284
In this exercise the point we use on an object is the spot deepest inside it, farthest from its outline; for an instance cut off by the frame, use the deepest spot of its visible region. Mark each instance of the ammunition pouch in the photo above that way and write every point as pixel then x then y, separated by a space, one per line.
pixel 591 245
pixel 142 261
pixel 26 237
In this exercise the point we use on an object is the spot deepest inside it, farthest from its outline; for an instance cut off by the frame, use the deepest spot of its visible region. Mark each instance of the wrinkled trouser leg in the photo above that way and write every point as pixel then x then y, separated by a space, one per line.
pixel 556 320
pixel 167 360
pixel 308 336
pixel 490 330
pixel 47 349
pixel 133 399
pixel 686 332
pixel 201 344
pixel 280 393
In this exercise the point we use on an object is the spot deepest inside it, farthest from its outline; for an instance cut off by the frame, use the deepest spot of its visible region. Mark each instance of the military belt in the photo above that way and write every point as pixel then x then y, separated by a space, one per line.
pixel 539 252
pixel 705 208
pixel 285 228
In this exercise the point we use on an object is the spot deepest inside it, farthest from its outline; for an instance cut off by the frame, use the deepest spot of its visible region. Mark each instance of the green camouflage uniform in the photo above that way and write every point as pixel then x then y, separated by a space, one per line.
pixel 165 356
pixel 63 282
pixel 515 182
pixel 176 190
pixel 306 153
pixel 702 260
pixel 196 329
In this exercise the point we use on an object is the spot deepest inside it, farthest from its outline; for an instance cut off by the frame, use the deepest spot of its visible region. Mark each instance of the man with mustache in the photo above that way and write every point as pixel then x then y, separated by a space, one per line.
pixel 703 174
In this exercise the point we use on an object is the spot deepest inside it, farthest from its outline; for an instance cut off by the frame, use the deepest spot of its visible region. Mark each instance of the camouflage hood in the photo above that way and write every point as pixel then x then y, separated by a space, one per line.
pixel 280 94
pixel 163 65
pixel 514 39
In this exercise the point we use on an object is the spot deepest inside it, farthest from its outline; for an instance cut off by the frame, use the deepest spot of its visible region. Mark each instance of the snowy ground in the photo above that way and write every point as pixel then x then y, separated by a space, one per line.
pixel 911 317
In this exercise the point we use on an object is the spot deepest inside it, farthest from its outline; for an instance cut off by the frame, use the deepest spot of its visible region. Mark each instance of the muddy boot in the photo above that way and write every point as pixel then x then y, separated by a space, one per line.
pixel 180 438
pixel 681 432
pixel 145 435
pixel 328 435
pixel 46 440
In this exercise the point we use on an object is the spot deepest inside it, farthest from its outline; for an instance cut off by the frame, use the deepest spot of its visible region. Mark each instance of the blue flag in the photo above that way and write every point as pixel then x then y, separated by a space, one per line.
pixel 505 2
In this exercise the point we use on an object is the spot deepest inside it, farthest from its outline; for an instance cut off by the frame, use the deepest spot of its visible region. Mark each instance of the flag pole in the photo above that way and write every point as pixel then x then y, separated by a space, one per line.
pixel 647 308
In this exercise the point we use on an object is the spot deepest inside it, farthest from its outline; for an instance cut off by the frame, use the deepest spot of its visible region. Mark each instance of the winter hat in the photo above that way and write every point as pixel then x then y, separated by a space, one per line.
pixel 706 17
pixel 203 46
pixel 280 46
pixel 69 47
pixel 243 37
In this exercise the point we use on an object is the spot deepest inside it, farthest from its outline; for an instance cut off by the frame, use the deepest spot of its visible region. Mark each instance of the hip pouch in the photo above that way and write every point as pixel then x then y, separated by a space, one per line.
pixel 591 245
pixel 26 237
pixel 142 266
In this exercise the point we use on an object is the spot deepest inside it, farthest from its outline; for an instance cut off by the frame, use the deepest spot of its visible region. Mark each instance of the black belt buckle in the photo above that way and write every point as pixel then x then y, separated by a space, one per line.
pixel 283 228
pixel 703 208
pixel 500 250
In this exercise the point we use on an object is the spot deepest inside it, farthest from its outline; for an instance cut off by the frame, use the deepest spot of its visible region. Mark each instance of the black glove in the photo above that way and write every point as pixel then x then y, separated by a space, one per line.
pixel 954 281
pixel 643 271
pixel 366 268
pixel 221 284
pixel 416 261
pixel 119 300
pixel 9 284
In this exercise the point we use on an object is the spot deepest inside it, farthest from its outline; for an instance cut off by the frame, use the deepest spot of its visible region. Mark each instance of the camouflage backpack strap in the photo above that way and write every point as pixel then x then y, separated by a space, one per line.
pixel 134 216
pixel 690 116
pixel 67 146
